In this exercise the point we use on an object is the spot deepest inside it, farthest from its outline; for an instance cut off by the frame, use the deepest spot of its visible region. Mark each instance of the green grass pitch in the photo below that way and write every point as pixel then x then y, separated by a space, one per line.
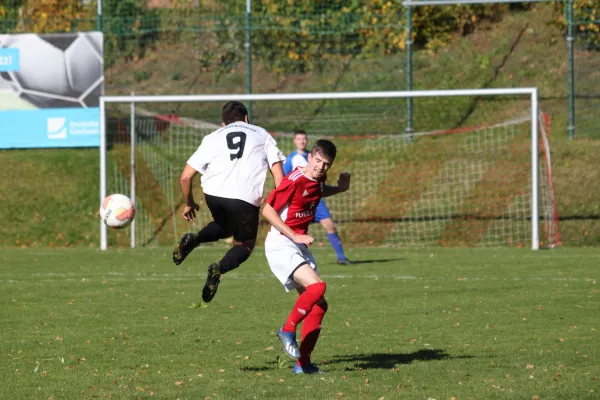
pixel 405 323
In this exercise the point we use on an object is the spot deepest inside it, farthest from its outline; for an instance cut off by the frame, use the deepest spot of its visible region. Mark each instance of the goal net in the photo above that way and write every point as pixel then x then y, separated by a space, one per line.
pixel 465 178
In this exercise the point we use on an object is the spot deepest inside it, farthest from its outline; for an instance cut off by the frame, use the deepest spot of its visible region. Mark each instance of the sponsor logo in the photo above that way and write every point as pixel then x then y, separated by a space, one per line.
pixel 304 214
pixel 9 60
pixel 305 193
pixel 84 127
pixel 57 128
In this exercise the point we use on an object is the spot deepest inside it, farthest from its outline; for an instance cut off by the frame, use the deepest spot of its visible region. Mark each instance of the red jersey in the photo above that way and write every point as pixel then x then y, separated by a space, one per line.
pixel 296 199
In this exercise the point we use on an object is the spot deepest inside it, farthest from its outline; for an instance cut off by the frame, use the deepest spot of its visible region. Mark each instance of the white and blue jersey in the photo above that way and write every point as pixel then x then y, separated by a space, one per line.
pixel 294 160
pixel 297 159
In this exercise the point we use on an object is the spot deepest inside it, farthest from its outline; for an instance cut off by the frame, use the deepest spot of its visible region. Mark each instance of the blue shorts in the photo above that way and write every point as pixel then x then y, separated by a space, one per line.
pixel 322 212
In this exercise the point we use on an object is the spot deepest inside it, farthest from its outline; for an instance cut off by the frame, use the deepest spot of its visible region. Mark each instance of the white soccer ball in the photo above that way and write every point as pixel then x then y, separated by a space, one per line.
pixel 57 71
pixel 117 211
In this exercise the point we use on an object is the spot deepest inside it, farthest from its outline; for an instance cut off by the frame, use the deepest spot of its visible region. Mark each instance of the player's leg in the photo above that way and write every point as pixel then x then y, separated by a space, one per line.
pixel 323 216
pixel 294 266
pixel 314 289
pixel 243 218
pixel 311 328
pixel 212 232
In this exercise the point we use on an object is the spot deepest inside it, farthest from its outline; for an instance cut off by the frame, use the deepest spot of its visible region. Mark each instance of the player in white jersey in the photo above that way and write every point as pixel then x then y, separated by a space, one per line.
pixel 233 161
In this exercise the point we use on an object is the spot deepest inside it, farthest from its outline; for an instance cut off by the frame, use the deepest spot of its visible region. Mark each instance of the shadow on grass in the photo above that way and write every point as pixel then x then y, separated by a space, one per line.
pixel 371 361
pixel 383 260
pixel 390 360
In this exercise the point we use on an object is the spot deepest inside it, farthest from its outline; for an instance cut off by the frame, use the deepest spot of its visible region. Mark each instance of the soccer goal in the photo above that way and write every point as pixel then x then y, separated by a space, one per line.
pixel 476 171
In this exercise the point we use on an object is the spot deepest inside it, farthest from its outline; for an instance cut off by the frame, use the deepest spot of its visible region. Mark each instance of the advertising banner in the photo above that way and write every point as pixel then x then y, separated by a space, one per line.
pixel 50 87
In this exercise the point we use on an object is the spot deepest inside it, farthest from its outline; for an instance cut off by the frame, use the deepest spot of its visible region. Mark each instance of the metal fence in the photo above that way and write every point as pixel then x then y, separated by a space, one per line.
pixel 252 46
pixel 583 22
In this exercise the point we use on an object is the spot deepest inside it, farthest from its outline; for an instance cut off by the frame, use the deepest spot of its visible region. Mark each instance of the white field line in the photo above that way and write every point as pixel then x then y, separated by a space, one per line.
pixel 142 277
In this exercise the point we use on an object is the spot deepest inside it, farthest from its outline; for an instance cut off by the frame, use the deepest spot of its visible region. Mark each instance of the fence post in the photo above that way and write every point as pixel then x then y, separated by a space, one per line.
pixel 571 48
pixel 409 77
pixel 132 172
pixel 99 16
pixel 248 46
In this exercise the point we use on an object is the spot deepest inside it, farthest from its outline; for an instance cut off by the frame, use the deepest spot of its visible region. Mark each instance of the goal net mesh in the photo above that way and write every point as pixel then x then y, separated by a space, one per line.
pixel 452 183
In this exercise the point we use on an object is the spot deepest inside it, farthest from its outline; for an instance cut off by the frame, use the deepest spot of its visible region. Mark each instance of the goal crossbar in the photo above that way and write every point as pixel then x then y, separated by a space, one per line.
pixel 532 92
pixel 317 96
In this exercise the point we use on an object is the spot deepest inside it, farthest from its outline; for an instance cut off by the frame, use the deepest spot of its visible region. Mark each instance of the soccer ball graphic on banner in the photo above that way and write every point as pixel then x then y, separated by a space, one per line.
pixel 117 211
pixel 56 70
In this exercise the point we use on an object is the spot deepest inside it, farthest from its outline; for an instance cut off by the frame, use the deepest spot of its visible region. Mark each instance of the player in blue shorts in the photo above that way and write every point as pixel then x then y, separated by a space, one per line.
pixel 322 214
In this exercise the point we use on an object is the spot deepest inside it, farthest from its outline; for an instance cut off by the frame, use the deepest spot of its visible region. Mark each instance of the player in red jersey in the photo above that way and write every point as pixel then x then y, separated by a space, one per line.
pixel 290 209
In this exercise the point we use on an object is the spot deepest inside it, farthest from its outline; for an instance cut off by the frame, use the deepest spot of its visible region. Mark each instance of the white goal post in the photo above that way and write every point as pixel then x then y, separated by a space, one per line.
pixel 136 103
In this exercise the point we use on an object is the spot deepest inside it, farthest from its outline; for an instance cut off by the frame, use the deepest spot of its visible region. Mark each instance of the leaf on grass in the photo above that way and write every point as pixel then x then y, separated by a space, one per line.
pixel 270 348
pixel 199 305
pixel 530 366
pixel 220 370
pixel 178 383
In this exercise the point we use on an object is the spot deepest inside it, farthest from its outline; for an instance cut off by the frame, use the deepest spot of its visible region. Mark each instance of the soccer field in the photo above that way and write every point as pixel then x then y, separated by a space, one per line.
pixel 404 323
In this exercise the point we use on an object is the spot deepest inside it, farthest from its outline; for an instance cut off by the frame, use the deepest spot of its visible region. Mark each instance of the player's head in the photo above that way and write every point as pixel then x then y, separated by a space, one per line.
pixel 234 111
pixel 300 140
pixel 320 159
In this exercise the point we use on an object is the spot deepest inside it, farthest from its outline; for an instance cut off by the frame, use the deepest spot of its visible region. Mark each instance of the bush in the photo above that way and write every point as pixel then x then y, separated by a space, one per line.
pixel 129 29
pixel 297 36
pixel 586 17
pixel 48 16
pixel 434 26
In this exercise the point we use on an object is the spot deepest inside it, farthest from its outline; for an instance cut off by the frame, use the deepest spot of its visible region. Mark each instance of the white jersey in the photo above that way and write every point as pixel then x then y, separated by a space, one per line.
pixel 234 160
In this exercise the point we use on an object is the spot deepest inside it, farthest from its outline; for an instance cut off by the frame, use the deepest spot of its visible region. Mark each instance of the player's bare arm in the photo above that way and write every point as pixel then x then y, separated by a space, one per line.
pixel 185 181
pixel 342 186
pixel 277 172
pixel 274 219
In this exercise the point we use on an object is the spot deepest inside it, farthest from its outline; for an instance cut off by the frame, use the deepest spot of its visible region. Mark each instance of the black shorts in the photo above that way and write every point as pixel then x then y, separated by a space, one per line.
pixel 236 217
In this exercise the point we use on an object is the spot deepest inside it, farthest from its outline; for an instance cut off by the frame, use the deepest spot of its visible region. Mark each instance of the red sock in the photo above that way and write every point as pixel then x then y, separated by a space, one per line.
pixel 311 328
pixel 304 305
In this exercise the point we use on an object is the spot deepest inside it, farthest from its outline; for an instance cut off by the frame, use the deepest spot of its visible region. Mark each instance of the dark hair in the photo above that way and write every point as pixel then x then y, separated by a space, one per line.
pixel 233 111
pixel 325 148
pixel 300 132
